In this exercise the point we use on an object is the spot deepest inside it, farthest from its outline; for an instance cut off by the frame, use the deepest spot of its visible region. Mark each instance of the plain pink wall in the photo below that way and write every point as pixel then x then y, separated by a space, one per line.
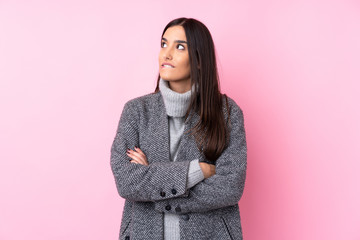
pixel 68 67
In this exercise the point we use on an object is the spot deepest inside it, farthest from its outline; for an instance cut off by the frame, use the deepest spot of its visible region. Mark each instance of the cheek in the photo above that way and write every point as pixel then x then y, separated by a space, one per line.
pixel 188 68
pixel 186 63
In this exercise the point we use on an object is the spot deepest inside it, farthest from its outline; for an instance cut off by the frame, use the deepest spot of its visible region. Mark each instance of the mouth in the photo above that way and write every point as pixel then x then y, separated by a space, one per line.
pixel 167 65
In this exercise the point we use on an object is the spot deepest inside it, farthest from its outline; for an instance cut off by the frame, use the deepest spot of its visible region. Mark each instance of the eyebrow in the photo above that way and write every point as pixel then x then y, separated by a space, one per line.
pixel 178 41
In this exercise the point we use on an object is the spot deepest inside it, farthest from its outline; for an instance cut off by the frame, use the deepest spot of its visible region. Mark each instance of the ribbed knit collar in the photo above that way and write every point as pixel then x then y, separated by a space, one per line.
pixel 176 103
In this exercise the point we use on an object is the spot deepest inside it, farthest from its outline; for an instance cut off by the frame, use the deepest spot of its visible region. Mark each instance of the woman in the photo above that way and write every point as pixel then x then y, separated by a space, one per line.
pixel 179 155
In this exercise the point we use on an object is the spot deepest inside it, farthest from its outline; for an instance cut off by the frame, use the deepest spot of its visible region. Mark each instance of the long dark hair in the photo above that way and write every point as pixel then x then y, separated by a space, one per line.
pixel 211 131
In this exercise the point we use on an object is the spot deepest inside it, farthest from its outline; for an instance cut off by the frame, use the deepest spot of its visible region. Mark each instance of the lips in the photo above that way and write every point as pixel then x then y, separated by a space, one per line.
pixel 167 65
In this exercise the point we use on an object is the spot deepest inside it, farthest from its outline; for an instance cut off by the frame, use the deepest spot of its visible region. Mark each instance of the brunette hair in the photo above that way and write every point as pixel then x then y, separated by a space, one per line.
pixel 211 131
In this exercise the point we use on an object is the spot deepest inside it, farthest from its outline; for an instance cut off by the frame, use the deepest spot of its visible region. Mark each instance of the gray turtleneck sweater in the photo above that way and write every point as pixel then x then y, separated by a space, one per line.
pixel 176 105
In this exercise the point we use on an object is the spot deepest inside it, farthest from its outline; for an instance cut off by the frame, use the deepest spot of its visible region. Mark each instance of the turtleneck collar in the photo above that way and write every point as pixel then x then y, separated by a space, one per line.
pixel 176 103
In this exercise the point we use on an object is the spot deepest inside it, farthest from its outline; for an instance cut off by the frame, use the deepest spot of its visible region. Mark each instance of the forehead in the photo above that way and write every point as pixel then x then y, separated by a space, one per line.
pixel 175 33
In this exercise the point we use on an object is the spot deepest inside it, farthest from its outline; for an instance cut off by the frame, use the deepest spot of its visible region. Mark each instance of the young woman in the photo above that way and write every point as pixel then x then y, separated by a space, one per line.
pixel 179 156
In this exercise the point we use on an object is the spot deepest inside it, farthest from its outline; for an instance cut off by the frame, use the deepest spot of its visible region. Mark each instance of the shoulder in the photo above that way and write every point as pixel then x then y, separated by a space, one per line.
pixel 234 108
pixel 236 121
pixel 142 102
pixel 136 108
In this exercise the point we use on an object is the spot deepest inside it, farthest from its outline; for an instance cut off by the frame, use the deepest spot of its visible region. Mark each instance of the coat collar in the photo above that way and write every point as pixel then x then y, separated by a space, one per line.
pixel 162 126
pixel 176 103
pixel 192 119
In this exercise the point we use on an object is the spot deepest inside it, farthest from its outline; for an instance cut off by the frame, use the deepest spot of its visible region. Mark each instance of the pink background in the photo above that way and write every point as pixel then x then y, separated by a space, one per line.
pixel 68 67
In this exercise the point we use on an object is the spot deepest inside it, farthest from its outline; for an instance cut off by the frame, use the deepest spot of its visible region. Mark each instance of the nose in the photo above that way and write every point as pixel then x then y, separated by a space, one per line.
pixel 167 53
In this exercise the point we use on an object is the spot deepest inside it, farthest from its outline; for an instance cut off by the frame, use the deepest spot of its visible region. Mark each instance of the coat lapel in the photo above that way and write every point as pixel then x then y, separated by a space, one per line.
pixel 188 148
pixel 161 127
pixel 162 138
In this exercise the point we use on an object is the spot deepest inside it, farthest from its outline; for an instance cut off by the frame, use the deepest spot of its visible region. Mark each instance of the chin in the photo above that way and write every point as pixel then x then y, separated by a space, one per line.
pixel 167 78
pixel 172 78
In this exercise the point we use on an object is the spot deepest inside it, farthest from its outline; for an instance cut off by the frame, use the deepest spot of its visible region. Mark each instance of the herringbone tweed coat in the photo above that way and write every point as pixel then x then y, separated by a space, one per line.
pixel 208 210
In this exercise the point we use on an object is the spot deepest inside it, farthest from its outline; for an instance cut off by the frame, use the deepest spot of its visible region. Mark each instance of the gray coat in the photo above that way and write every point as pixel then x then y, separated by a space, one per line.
pixel 208 210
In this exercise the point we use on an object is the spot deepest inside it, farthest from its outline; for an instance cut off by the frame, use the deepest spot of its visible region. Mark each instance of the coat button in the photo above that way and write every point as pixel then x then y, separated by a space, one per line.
pixel 178 209
pixel 162 194
pixel 173 191
pixel 185 217
pixel 127 238
pixel 168 207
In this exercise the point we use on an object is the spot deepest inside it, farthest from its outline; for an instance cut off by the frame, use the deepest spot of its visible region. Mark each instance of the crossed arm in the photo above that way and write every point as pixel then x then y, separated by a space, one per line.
pixel 159 180
pixel 138 182
pixel 226 186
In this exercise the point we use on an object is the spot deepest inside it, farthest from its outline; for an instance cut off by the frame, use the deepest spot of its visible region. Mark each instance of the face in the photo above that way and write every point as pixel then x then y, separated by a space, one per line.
pixel 174 51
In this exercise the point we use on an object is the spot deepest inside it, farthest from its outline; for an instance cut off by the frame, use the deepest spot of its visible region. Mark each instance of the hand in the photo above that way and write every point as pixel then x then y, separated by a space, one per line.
pixel 138 157
pixel 208 169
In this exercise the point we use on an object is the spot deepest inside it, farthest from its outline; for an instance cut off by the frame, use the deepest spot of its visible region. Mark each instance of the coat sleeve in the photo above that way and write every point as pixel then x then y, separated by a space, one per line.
pixel 137 182
pixel 195 174
pixel 226 186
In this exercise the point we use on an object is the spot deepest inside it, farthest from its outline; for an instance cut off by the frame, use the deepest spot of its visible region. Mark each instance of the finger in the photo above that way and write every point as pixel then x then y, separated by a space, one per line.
pixel 130 155
pixel 137 158
pixel 137 162
pixel 137 154
pixel 139 151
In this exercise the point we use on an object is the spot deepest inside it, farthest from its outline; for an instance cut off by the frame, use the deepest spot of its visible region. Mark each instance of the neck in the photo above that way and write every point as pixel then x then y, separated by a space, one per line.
pixel 180 86
pixel 176 103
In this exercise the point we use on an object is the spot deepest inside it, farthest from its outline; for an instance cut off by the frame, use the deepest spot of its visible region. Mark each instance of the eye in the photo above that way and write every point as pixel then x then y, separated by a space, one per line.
pixel 181 46
pixel 162 44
